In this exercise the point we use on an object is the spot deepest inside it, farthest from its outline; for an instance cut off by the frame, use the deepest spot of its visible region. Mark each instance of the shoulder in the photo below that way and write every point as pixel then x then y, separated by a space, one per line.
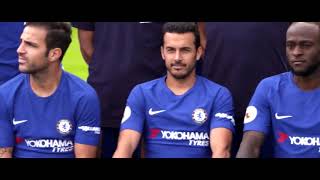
pixel 13 83
pixel 77 86
pixel 275 81
pixel 9 89
pixel 212 87
pixel 147 86
pixel 145 91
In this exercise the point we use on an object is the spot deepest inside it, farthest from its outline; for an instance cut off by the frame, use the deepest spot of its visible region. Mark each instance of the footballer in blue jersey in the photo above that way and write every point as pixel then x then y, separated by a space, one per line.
pixel 48 126
pixel 180 115
pixel 46 112
pixel 288 102
pixel 178 125
pixel 9 41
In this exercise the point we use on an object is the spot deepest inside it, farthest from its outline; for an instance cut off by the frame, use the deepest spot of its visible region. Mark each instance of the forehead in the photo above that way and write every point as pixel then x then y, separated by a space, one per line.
pixel 303 31
pixel 34 34
pixel 179 39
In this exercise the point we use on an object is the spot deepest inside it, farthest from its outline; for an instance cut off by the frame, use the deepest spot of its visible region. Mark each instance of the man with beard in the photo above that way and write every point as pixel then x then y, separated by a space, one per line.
pixel 180 115
pixel 46 112
pixel 288 102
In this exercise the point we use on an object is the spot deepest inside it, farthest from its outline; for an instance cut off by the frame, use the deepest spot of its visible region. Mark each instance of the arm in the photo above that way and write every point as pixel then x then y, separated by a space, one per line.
pixel 132 124
pixel 220 142
pixel 6 130
pixel 6 152
pixel 128 141
pixel 86 44
pixel 88 130
pixel 222 125
pixel 85 151
pixel 250 145
pixel 257 121
pixel 203 37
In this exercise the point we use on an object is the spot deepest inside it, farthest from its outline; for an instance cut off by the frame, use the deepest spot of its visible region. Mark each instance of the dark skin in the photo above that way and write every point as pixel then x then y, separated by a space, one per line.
pixel 303 49
pixel 303 52
pixel 250 145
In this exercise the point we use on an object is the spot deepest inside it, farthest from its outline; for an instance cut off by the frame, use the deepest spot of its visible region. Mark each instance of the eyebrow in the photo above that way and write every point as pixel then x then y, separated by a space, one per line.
pixel 29 42
pixel 185 47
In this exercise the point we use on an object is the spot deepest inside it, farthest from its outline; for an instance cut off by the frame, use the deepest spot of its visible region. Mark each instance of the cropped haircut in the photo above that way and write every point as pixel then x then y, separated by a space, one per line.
pixel 58 35
pixel 181 28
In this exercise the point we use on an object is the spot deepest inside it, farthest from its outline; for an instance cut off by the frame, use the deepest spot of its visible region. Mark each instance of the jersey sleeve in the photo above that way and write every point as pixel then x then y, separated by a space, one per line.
pixel 223 111
pixel 89 26
pixel 6 127
pixel 88 120
pixel 257 116
pixel 134 114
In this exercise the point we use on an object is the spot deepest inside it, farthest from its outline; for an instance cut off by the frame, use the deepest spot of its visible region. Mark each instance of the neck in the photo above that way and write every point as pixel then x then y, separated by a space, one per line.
pixel 180 86
pixel 46 82
pixel 308 82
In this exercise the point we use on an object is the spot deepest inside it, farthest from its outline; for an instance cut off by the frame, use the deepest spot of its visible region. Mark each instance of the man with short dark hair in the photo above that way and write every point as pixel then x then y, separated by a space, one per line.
pixel 180 115
pixel 288 103
pixel 46 112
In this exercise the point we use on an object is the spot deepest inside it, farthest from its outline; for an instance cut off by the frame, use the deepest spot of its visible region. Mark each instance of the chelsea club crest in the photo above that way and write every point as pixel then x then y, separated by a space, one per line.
pixel 64 126
pixel 199 115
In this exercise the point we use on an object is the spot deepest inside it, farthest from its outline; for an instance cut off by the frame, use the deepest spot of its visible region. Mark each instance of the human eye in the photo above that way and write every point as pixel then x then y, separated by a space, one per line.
pixel 306 45
pixel 290 45
pixel 186 50
pixel 170 50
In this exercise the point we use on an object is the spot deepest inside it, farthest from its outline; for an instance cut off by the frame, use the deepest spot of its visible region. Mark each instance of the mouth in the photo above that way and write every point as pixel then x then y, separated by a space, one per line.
pixel 177 66
pixel 297 62
pixel 22 60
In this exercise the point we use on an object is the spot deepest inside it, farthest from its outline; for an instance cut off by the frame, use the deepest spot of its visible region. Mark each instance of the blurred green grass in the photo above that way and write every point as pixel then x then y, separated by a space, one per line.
pixel 73 61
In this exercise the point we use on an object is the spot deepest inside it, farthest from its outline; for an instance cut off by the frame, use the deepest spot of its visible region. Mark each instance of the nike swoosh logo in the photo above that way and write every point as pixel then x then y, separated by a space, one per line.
pixel 281 117
pixel 155 112
pixel 18 122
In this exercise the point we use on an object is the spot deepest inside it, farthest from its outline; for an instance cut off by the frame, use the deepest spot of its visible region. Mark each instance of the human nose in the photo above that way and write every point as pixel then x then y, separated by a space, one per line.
pixel 20 49
pixel 178 56
pixel 296 51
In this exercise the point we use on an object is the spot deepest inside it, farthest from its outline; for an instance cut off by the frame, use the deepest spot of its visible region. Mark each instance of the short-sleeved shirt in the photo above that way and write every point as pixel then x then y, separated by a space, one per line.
pixel 240 54
pixel 125 54
pixel 292 114
pixel 48 127
pixel 178 126
pixel 9 42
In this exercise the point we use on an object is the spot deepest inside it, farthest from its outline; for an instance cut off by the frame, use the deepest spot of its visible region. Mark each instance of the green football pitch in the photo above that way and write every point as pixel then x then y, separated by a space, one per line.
pixel 73 61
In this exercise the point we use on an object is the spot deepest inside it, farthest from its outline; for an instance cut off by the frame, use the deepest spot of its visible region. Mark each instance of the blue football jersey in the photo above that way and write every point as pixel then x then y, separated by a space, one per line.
pixel 9 42
pixel 291 113
pixel 48 127
pixel 178 126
